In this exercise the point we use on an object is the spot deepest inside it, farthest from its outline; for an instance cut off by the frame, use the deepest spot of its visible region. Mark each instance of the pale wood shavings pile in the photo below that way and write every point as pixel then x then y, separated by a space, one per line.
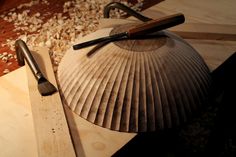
pixel 24 22
pixel 58 33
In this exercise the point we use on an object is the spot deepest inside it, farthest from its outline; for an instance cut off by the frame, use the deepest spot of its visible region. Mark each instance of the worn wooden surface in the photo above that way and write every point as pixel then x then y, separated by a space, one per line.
pixel 17 134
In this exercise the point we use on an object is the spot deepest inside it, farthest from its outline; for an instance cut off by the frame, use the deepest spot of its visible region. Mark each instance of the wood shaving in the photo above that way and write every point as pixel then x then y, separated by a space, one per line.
pixel 24 22
pixel 4 57
pixel 27 5
pixel 5 71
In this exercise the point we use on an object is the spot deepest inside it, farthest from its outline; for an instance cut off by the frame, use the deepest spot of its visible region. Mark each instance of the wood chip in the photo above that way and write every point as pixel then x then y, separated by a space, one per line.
pixel 5 71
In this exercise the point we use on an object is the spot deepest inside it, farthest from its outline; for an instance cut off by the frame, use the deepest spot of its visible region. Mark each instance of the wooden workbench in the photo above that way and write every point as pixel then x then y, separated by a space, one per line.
pixel 16 133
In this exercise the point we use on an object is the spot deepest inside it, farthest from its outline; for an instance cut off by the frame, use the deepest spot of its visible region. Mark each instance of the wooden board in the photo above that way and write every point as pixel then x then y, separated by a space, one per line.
pixel 17 137
pixel 214 52
pixel 51 128
pixel 206 31
pixel 210 11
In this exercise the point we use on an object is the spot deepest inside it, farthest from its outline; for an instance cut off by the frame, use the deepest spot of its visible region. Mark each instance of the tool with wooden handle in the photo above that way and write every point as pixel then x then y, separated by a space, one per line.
pixel 136 31
pixel 44 86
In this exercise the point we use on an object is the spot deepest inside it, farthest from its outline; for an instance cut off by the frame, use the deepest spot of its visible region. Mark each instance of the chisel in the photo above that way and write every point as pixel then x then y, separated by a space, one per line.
pixel 138 30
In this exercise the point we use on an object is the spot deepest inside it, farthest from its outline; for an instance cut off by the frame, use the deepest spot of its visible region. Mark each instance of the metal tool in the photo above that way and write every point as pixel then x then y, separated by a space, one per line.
pixel 136 31
pixel 44 86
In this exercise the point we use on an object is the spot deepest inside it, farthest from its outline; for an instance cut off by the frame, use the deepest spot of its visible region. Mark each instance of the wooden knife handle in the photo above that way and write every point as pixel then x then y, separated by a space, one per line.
pixel 156 25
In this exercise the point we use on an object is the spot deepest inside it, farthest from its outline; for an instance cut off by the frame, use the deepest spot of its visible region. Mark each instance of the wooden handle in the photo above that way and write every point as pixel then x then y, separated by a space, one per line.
pixel 156 25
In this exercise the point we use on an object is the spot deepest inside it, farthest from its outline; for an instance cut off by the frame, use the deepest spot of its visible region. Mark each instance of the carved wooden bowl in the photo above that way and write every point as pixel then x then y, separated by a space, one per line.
pixel 134 85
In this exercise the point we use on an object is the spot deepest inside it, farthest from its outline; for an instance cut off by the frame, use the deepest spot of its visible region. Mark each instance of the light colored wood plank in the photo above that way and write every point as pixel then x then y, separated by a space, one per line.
pixel 205 31
pixel 52 132
pixel 214 52
pixel 89 139
pixel 17 136
pixel 201 11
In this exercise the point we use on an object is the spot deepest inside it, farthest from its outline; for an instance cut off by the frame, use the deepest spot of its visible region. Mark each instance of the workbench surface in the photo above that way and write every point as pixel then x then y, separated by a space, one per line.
pixel 16 117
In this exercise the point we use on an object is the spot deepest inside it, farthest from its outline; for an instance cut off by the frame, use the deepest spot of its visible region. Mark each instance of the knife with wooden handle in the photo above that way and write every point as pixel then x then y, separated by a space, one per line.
pixel 141 29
